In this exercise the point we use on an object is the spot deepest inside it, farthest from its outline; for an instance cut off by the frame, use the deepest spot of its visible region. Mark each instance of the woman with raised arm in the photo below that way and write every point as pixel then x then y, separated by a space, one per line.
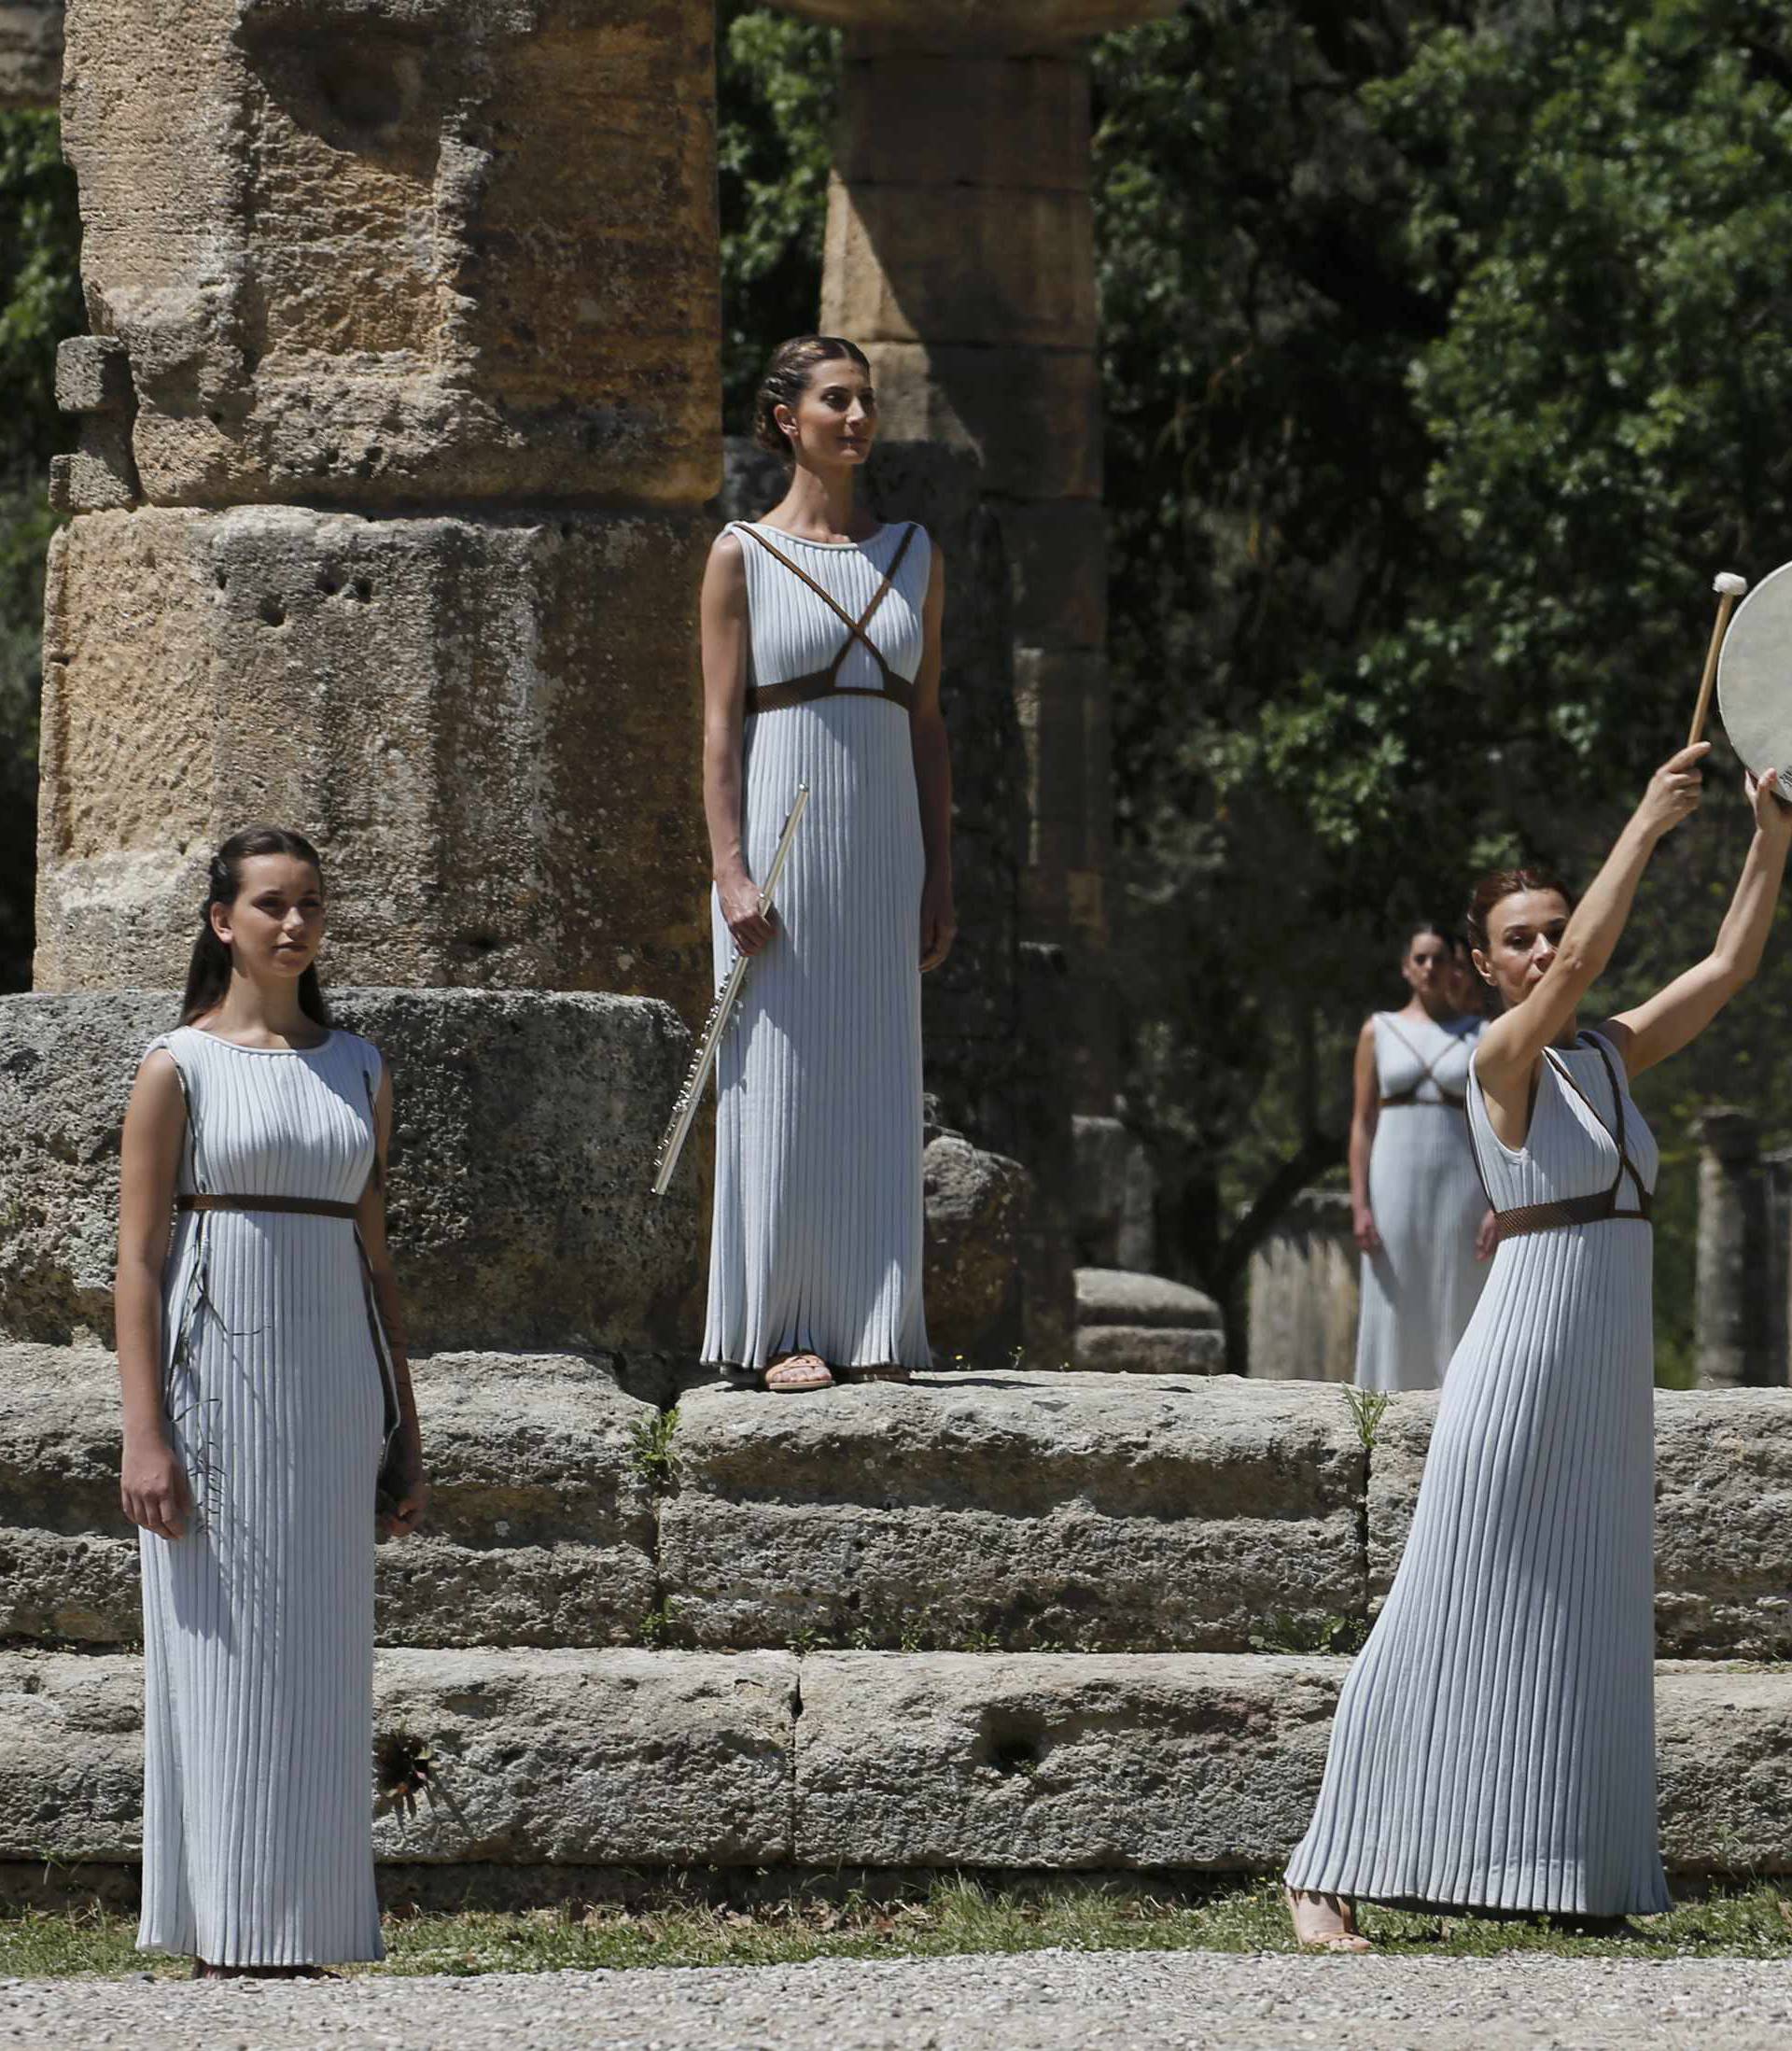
pixel 1416 1201
pixel 822 665
pixel 266 1399
pixel 1494 1745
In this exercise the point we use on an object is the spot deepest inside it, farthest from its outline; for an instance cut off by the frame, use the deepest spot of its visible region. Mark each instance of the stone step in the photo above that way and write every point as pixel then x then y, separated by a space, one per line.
pixel 541 1523
pixel 1060 1762
pixel 1056 1512
pixel 1144 1324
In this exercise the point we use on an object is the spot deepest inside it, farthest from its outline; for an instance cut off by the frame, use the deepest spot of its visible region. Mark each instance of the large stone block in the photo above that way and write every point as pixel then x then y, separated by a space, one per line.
pixel 956 264
pixel 1303 1293
pixel 1004 26
pixel 1034 416
pixel 656 1760
pixel 977 1206
pixel 490 728
pixel 380 251
pixel 543 1757
pixel 541 1527
pixel 1115 1193
pixel 1723 1516
pixel 912 117
pixel 1055 1510
pixel 523 1132
pixel 958 1760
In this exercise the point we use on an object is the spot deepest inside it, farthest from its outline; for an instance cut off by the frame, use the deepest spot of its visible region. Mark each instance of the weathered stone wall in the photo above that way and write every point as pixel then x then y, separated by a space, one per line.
pixel 414 306
pixel 475 717
pixel 1013 1512
pixel 523 1132
pixel 568 1760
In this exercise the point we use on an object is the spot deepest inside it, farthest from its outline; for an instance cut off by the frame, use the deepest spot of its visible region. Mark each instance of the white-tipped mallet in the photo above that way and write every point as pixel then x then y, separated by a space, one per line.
pixel 1730 587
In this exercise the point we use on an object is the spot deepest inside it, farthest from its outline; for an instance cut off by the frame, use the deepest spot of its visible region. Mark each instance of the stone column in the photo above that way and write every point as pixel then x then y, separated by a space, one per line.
pixel 400 420
pixel 1303 1293
pixel 960 253
pixel 1731 1315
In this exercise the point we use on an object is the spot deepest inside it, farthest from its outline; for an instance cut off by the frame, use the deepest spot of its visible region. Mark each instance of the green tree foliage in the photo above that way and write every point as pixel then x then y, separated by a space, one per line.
pixel 39 304
pixel 1448 359
pixel 776 88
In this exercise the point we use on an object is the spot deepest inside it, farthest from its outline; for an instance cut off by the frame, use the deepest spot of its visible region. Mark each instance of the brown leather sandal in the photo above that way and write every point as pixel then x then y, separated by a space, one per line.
pixel 1324 1922
pixel 880 1371
pixel 797 1375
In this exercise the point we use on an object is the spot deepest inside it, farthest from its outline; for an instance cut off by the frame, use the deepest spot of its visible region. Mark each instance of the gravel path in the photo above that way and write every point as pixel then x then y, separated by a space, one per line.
pixel 1052 2001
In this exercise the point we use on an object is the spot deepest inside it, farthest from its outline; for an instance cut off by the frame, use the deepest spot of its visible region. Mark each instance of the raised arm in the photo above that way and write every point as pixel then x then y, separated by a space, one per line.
pixel 727 640
pixel 1673 1017
pixel 933 781
pixel 1366 1112
pixel 369 1218
pixel 1512 1045
pixel 152 1485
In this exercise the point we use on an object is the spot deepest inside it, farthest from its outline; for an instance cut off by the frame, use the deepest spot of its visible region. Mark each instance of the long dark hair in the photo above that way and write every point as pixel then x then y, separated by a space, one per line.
pixel 786 378
pixel 208 975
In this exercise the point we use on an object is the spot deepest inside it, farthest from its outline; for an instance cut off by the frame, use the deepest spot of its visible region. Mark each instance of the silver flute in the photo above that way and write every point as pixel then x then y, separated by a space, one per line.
pixel 665 1162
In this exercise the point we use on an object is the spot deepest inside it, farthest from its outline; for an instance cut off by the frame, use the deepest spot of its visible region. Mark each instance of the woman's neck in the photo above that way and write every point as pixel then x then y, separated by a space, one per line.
pixel 1439 1012
pixel 251 1012
pixel 821 506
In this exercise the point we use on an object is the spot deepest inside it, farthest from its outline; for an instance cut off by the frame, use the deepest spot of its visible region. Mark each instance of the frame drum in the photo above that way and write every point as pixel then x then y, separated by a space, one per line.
pixel 1755 678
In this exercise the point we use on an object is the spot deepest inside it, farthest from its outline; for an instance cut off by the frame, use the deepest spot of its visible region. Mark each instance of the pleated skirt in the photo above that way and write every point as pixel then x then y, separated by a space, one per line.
pixel 259 1623
pixel 1494 1745
pixel 816 1235
pixel 1420 1288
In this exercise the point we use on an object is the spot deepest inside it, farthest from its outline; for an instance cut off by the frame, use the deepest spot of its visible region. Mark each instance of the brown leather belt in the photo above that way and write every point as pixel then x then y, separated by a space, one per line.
pixel 298 1206
pixel 1406 1097
pixel 1549 1218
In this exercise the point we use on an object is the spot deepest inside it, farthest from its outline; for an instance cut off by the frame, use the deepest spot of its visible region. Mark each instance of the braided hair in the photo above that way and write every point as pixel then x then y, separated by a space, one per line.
pixel 786 378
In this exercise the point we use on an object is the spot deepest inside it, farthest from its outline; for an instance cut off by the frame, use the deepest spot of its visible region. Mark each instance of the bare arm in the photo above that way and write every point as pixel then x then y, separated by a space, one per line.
pixel 1365 1113
pixel 727 640
pixel 370 1217
pixel 934 780
pixel 1513 1044
pixel 1675 1017
pixel 152 1485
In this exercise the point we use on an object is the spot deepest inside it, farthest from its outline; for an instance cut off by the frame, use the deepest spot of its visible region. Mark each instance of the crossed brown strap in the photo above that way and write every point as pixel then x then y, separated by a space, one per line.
pixel 1401 1096
pixel 298 1207
pixel 1587 1209
pixel 773 698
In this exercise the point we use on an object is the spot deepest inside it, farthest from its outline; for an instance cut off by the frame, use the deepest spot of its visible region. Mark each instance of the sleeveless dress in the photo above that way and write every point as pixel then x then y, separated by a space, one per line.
pixel 1495 1745
pixel 259 1624
pixel 816 1239
pixel 1420 1289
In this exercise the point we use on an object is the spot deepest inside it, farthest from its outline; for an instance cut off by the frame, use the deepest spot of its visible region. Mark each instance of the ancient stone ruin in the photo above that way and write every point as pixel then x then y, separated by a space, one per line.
pixel 398 458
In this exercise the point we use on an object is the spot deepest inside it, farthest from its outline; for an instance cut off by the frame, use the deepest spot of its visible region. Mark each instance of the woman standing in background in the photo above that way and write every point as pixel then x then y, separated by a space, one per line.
pixel 1416 1201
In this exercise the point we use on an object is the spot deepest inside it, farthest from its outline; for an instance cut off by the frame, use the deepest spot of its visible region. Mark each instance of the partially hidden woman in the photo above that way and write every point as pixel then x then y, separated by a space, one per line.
pixel 1416 1200
pixel 260 1398
pixel 1494 1745
pixel 822 665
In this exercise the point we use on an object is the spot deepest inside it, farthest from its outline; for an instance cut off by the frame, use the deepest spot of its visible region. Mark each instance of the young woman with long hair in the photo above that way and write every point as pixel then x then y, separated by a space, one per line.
pixel 266 1399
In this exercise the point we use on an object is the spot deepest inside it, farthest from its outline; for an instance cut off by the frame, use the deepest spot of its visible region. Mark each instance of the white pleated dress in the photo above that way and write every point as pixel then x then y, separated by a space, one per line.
pixel 259 1624
pixel 816 1240
pixel 1495 1745
pixel 1420 1289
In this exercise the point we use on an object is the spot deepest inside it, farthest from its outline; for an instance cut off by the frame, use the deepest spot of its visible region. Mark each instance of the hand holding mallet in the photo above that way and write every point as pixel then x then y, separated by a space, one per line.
pixel 1728 587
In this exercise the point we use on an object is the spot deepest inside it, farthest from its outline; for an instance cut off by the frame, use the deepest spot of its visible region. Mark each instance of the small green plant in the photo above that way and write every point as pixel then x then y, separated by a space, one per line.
pixel 804 1639
pixel 912 1638
pixel 1367 1408
pixel 653 1456
pixel 656 1626
pixel 1333 1633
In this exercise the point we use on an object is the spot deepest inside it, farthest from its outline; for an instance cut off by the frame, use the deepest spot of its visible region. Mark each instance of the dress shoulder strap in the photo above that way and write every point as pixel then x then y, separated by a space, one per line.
pixel 1613 1131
